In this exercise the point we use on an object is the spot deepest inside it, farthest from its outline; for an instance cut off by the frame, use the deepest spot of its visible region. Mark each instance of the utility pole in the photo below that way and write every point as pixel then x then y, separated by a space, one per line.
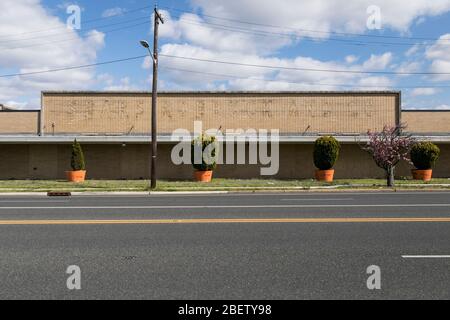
pixel 154 56
pixel 158 20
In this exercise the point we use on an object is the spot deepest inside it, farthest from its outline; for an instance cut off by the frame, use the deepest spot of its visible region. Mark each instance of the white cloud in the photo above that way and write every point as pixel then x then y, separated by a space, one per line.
pixel 337 15
pixel 23 16
pixel 439 55
pixel 192 38
pixel 351 59
pixel 112 12
pixel 241 77
pixel 124 84
pixel 408 67
pixel 438 107
pixel 191 29
pixel 378 83
pixel 378 62
pixel 440 50
pixel 424 92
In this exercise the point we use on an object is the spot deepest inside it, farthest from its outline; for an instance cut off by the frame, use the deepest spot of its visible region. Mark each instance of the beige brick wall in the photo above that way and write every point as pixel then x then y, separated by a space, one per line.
pixel 19 122
pixel 427 121
pixel 112 113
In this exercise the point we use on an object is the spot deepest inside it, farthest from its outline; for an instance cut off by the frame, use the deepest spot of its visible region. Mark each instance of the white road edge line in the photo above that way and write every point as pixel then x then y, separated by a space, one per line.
pixel 310 199
pixel 426 257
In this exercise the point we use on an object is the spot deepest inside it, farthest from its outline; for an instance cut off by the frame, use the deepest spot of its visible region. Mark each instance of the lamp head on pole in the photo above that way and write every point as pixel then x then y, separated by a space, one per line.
pixel 145 44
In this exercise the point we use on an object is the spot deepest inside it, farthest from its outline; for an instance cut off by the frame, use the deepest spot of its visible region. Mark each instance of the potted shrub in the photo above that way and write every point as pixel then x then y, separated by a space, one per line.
pixel 204 157
pixel 326 153
pixel 424 156
pixel 78 173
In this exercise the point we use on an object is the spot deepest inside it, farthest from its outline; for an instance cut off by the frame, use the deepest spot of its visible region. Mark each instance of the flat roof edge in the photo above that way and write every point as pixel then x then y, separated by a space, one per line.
pixel 224 92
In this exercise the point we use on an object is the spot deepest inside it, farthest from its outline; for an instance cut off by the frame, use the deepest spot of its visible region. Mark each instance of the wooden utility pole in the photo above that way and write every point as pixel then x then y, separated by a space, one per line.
pixel 158 20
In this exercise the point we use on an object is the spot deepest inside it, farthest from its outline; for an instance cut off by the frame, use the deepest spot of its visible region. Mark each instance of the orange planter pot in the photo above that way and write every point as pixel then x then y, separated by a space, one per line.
pixel 76 176
pixel 424 175
pixel 203 176
pixel 325 175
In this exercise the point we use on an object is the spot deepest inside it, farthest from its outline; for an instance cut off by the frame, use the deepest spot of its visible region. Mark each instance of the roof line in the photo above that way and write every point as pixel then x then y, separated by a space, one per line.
pixel 225 92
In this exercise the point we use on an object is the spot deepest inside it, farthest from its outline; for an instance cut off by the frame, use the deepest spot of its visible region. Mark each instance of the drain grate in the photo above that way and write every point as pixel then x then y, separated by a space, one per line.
pixel 59 194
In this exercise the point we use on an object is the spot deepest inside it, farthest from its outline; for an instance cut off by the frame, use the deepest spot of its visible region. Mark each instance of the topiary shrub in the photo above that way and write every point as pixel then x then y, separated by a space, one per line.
pixel 204 153
pixel 424 155
pixel 326 152
pixel 77 159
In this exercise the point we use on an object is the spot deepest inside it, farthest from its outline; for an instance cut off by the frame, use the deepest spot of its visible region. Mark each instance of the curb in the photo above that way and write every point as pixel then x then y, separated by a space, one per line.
pixel 92 194
pixel 338 188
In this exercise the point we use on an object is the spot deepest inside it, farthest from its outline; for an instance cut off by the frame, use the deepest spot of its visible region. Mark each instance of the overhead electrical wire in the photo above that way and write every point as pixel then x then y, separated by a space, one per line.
pixel 244 30
pixel 72 67
pixel 302 69
pixel 83 22
pixel 65 33
pixel 74 38
pixel 297 37
pixel 306 30
pixel 206 73
pixel 295 82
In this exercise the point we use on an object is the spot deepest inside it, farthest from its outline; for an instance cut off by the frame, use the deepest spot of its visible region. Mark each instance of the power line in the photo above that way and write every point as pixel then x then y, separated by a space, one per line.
pixel 307 30
pixel 84 22
pixel 72 68
pixel 65 33
pixel 203 73
pixel 296 82
pixel 74 38
pixel 297 37
pixel 304 69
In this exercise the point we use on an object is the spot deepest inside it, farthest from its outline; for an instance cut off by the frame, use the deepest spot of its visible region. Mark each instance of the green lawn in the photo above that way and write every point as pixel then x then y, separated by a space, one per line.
pixel 217 184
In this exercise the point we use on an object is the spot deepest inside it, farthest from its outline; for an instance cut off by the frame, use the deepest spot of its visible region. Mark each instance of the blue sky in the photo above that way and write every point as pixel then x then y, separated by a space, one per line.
pixel 412 36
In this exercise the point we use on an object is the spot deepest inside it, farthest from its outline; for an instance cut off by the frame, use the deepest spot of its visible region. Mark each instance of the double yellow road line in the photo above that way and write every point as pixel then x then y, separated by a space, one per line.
pixel 221 221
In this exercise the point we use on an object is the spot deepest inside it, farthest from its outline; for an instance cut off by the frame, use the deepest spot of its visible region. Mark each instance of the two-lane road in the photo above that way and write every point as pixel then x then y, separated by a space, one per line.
pixel 231 246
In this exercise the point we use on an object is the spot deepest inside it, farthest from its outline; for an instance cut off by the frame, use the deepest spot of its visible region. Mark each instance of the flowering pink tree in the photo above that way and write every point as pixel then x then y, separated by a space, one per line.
pixel 388 148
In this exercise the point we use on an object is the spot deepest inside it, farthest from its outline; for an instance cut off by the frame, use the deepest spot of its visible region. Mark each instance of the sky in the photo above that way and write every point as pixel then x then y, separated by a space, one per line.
pixel 286 45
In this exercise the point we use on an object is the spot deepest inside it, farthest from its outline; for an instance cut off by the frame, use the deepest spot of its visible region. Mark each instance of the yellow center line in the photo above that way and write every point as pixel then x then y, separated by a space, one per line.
pixel 221 221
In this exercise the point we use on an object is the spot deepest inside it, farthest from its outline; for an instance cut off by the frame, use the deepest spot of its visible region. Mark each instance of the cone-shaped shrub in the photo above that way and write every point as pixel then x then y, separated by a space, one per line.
pixel 204 153
pixel 424 155
pixel 326 152
pixel 77 160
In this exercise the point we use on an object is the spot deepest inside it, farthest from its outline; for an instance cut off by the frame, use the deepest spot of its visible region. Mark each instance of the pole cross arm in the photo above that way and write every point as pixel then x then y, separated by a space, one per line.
pixel 158 16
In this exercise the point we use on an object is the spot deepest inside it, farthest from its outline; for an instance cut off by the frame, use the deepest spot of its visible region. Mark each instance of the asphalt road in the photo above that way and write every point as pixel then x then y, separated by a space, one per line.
pixel 242 246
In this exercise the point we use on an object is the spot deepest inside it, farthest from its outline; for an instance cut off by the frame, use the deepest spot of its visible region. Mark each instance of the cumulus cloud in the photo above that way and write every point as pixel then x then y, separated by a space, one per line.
pixel 124 84
pixel 112 12
pixel 17 19
pixel 192 29
pixel 195 35
pixel 241 77
pixel 439 55
pixel 338 15
pixel 424 92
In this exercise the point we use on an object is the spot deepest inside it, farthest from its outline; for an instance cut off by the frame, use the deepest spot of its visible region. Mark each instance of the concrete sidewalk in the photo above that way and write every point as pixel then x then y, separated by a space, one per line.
pixel 337 189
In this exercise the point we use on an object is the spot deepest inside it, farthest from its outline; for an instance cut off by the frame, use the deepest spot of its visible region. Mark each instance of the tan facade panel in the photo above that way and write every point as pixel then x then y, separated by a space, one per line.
pixel 291 113
pixel 19 122
pixel 427 121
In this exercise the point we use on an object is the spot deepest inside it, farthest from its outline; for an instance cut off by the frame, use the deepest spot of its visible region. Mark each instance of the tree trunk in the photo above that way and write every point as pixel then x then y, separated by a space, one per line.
pixel 391 177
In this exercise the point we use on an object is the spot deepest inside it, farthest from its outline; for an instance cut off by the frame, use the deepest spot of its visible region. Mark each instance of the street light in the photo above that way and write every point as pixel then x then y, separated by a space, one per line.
pixel 145 44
